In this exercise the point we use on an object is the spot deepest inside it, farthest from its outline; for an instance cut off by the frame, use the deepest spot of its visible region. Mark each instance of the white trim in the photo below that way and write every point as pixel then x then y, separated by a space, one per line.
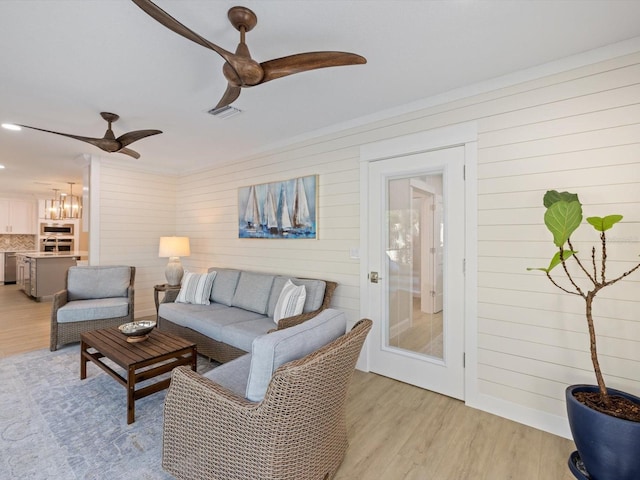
pixel 471 272
pixel 434 139
pixel 461 134
pixel 521 414
pixel 363 360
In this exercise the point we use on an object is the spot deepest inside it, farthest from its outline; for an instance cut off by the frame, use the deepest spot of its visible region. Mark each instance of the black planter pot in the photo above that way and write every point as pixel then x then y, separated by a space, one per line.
pixel 608 446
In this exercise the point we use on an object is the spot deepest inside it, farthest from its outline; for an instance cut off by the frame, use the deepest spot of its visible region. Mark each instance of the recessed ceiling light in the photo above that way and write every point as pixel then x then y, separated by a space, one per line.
pixel 11 126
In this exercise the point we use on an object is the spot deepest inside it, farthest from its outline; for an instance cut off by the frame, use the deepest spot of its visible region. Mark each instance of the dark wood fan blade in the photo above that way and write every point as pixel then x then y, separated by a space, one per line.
pixel 130 137
pixel 174 25
pixel 230 95
pixel 102 143
pixel 302 62
pixel 128 151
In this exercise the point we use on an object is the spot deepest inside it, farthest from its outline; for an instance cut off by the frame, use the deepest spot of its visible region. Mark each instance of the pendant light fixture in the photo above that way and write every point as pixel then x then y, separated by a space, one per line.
pixel 71 204
pixel 63 205
pixel 53 207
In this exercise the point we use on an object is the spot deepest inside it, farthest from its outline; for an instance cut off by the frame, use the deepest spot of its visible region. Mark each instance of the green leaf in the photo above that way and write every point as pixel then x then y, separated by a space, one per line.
pixel 552 196
pixel 555 261
pixel 604 224
pixel 562 218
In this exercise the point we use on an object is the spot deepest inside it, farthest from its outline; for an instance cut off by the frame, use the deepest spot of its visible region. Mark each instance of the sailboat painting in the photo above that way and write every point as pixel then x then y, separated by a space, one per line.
pixel 286 209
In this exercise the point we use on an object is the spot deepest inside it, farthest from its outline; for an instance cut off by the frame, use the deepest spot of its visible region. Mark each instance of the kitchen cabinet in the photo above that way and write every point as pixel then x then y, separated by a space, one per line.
pixel 17 217
pixel 1 268
pixel 43 275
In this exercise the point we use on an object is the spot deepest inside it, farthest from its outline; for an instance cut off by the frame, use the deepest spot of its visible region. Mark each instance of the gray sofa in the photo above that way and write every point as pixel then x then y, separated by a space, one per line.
pixel 241 308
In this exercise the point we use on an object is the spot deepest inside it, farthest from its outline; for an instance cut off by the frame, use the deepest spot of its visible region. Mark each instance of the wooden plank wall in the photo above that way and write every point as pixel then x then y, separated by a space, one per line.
pixel 136 209
pixel 577 130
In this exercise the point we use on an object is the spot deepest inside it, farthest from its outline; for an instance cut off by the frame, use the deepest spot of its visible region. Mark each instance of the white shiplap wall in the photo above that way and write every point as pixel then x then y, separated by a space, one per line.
pixel 576 130
pixel 209 216
pixel 136 208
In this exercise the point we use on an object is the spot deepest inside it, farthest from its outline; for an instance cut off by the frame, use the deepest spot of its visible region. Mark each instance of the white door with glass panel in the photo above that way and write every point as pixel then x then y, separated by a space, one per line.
pixel 416 221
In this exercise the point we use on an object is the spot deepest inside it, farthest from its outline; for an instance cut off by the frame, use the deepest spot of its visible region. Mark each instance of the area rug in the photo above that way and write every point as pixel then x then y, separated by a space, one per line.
pixel 55 426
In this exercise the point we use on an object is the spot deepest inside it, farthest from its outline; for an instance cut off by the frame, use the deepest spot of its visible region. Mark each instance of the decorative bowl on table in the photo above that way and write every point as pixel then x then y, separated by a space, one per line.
pixel 137 331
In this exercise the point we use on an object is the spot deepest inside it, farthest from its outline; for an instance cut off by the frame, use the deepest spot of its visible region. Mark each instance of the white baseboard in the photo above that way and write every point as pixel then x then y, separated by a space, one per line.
pixel 546 422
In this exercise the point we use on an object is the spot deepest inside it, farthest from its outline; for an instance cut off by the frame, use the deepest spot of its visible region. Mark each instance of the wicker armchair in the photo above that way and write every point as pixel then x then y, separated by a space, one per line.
pixel 297 432
pixel 96 291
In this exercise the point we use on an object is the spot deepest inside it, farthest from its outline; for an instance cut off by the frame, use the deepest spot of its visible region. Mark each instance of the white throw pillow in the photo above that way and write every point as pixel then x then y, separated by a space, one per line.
pixel 290 302
pixel 196 288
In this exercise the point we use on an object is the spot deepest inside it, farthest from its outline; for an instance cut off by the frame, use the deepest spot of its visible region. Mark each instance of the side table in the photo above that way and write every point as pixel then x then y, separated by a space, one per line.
pixel 166 289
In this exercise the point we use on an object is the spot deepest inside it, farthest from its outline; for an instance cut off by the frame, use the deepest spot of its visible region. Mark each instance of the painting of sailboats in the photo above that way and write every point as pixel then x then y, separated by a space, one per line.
pixel 286 209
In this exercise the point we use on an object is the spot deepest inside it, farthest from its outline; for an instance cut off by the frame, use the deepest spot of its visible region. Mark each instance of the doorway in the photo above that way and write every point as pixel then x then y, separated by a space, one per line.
pixel 416 234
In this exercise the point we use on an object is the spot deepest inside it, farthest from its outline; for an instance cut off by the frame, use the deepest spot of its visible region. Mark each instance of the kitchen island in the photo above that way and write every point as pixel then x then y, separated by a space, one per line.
pixel 41 274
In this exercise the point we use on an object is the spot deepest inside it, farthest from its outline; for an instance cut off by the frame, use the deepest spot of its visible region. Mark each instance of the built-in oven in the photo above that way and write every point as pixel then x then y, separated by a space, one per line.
pixel 56 228
pixel 57 244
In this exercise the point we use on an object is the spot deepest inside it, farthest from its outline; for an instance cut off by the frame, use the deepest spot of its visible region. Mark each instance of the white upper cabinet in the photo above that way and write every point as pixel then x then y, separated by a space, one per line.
pixel 17 217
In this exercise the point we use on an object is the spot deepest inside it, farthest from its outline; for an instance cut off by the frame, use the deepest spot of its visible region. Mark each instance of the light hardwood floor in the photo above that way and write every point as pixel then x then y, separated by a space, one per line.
pixel 24 323
pixel 396 431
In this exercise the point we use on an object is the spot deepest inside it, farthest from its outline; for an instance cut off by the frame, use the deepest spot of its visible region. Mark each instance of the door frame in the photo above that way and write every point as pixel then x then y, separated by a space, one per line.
pixel 466 135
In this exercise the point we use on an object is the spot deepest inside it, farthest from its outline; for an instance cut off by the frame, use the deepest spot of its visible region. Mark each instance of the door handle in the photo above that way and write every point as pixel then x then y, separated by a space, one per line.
pixel 374 277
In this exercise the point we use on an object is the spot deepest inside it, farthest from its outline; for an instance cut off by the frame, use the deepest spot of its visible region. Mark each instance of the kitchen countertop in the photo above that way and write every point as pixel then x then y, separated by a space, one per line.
pixel 36 254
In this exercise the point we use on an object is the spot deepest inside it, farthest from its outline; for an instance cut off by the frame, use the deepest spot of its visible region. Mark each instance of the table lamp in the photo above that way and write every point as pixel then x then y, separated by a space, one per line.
pixel 174 248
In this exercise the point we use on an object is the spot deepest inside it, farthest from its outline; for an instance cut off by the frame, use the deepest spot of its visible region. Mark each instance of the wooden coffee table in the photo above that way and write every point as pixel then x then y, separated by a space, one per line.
pixel 159 354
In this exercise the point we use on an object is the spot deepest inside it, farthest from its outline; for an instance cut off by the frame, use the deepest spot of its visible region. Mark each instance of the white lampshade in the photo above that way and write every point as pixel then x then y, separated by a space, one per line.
pixel 174 248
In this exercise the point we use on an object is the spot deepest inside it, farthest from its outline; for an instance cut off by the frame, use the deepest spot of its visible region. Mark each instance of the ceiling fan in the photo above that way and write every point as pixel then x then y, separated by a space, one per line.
pixel 240 69
pixel 109 143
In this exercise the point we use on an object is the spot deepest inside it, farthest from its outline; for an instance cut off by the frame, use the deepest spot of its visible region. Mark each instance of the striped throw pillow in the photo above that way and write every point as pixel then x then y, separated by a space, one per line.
pixel 290 302
pixel 196 288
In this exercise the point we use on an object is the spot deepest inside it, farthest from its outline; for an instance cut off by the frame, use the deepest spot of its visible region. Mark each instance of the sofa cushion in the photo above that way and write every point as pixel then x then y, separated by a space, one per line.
pixel 242 334
pixel 196 288
pixel 268 352
pixel 95 309
pixel 252 292
pixel 313 288
pixel 206 319
pixel 224 285
pixel 232 375
pixel 290 302
pixel 98 282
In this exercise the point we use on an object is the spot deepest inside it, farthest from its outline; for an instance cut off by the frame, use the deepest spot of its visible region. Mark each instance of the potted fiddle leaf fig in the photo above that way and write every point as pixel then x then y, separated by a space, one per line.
pixel 605 423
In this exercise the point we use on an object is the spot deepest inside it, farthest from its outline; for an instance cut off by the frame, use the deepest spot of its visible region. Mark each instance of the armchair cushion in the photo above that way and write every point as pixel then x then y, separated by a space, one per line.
pixel 96 309
pixel 98 282
pixel 268 352
pixel 232 375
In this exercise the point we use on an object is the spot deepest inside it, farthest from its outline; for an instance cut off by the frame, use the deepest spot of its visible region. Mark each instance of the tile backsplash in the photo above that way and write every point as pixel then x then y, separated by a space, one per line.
pixel 17 243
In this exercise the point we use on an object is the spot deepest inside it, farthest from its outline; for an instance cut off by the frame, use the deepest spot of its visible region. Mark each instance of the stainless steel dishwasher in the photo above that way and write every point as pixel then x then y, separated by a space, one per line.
pixel 9 267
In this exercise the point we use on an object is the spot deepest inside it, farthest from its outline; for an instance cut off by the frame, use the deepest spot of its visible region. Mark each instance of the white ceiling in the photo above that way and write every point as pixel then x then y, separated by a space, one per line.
pixel 64 61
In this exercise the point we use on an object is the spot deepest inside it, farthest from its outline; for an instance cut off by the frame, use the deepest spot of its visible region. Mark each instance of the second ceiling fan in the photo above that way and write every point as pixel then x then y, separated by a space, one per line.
pixel 240 69
pixel 109 142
